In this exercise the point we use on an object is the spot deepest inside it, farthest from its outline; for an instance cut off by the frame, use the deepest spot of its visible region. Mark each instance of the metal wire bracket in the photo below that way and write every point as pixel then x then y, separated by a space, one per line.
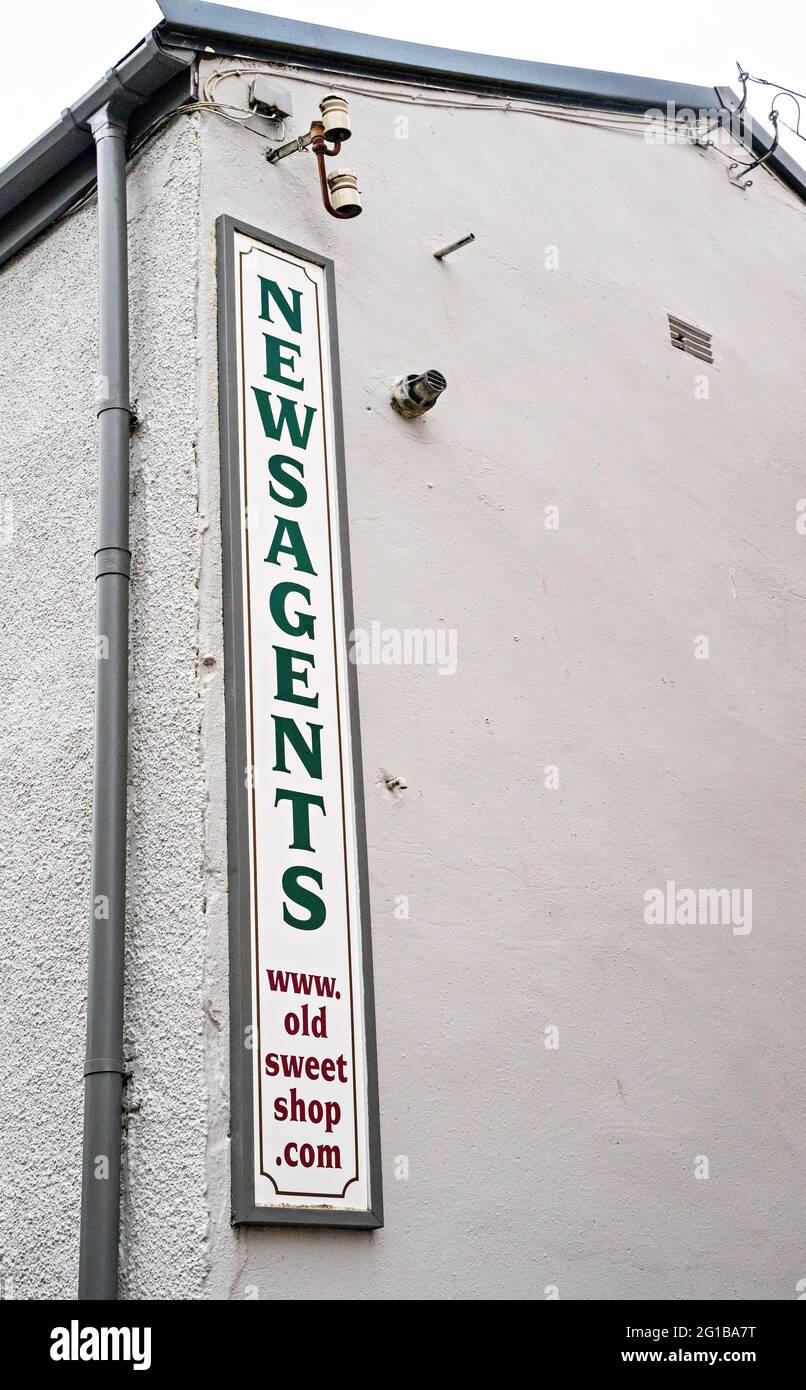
pixel 739 179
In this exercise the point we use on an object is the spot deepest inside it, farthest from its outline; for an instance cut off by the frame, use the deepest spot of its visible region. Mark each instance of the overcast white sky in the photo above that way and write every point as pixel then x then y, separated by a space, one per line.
pixel 55 50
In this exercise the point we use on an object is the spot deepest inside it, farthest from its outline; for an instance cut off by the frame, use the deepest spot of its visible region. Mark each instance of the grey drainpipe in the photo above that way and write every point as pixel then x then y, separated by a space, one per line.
pixel 104 1069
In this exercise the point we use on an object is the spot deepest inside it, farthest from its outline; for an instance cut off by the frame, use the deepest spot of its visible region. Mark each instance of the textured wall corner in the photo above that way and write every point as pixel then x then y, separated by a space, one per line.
pixel 47 479
pixel 165 1214
pixel 48 458
pixel 211 638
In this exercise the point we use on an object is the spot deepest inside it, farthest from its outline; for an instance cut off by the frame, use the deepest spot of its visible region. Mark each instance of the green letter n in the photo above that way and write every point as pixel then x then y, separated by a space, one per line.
pixel 292 313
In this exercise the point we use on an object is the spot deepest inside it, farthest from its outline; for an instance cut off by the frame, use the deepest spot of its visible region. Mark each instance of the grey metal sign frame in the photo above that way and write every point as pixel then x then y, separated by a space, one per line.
pixel 244 1209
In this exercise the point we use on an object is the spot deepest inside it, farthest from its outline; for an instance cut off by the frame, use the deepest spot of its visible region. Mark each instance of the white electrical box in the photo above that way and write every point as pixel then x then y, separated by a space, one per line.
pixel 270 99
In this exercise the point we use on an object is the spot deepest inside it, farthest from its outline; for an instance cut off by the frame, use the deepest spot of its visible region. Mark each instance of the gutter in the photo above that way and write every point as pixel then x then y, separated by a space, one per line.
pixel 42 182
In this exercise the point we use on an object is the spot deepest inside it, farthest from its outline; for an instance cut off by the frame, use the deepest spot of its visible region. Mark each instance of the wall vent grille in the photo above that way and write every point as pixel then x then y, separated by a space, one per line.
pixel 690 339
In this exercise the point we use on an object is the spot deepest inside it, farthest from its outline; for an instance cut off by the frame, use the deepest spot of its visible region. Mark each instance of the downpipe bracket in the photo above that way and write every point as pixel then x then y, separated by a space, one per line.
pixel 112 560
pixel 94 1065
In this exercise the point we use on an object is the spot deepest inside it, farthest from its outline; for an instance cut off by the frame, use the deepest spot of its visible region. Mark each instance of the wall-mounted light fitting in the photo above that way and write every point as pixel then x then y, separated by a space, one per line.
pixel 340 192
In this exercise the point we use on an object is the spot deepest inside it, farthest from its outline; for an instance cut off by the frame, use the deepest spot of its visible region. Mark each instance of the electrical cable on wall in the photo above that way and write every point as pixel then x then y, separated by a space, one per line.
pixel 627 123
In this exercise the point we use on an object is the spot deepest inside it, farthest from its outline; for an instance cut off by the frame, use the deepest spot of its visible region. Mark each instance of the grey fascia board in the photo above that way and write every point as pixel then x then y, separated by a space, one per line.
pixel 244 33
pixel 63 188
pixel 27 204
pixel 136 79
pixel 200 24
pixel 46 204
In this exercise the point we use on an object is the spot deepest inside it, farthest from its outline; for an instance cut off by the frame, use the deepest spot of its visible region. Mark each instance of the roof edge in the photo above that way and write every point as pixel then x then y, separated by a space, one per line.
pixel 46 178
pixel 247 33
pixel 41 182
pixel 138 76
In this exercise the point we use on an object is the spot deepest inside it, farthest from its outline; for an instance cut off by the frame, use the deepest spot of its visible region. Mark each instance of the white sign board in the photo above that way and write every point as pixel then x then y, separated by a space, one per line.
pixel 303 1058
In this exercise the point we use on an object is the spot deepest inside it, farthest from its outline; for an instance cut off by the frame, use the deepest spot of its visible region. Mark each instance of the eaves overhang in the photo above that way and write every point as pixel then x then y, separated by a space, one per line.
pixel 243 33
pixel 47 178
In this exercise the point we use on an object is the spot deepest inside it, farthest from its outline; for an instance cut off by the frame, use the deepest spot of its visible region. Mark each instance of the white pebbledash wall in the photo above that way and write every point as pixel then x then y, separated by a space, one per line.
pixel 48 462
pixel 530 1169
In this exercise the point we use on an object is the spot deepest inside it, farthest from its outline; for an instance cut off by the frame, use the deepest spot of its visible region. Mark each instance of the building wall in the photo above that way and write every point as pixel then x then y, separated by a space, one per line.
pixel 529 1168
pixel 48 363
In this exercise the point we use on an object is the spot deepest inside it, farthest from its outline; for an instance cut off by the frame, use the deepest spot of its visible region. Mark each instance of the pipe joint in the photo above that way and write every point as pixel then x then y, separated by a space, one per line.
pixel 111 121
pixel 94 1065
pixel 112 559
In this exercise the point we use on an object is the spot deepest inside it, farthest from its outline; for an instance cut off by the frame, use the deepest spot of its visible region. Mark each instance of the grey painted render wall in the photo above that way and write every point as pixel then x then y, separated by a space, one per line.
pixel 573 1168
pixel 528 1168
